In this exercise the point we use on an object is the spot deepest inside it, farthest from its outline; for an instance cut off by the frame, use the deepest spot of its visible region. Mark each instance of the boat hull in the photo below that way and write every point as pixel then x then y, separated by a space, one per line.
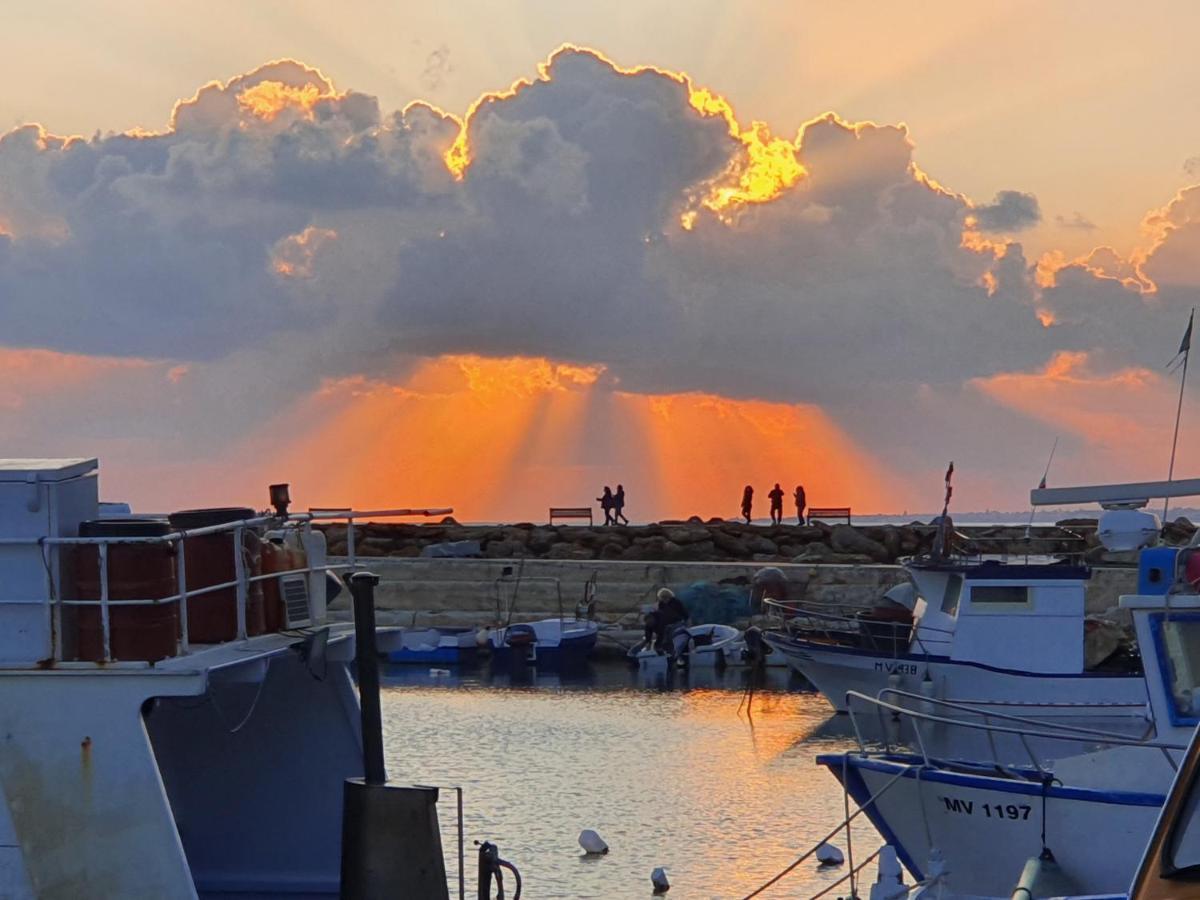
pixel 986 827
pixel 836 670
pixel 557 643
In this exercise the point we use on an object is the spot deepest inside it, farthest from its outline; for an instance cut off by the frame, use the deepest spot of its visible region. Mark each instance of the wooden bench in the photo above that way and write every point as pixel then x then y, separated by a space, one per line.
pixel 828 512
pixel 570 512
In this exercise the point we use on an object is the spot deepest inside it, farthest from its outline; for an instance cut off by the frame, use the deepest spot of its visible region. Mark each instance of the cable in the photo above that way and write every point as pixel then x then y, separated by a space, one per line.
pixel 850 874
pixel 240 725
pixel 841 825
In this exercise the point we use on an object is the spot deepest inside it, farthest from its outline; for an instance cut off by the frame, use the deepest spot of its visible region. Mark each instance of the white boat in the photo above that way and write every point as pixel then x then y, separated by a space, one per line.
pixel 178 714
pixel 1009 637
pixel 695 646
pixel 987 816
pixel 564 640
pixel 448 645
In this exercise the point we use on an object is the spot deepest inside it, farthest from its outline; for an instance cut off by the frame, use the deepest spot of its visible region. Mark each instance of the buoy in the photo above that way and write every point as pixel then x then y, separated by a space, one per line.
pixel 658 878
pixel 829 855
pixel 592 843
pixel 439 673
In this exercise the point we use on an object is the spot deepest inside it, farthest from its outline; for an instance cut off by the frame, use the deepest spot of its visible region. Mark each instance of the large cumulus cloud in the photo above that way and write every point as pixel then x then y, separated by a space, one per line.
pixel 575 220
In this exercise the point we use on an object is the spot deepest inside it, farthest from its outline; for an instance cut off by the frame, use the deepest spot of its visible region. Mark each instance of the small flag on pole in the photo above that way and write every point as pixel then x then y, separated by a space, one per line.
pixel 1185 345
pixel 1042 484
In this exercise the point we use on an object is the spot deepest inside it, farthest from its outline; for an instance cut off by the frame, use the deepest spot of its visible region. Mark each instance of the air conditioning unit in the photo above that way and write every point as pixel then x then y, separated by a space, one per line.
pixel 297 609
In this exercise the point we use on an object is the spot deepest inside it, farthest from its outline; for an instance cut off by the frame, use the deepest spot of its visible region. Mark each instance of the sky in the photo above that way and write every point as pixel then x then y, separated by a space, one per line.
pixel 497 255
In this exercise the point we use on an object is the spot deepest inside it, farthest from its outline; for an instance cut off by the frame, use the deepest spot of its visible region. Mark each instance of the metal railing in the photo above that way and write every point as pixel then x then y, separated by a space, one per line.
pixel 991 724
pixel 240 584
pixel 809 621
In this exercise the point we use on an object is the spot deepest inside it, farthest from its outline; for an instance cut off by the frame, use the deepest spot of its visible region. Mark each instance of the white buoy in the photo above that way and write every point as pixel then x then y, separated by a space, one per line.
pixel 592 843
pixel 658 878
pixel 829 855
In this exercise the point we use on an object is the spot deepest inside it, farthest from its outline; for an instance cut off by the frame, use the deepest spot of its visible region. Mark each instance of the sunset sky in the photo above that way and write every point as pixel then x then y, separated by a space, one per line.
pixel 496 256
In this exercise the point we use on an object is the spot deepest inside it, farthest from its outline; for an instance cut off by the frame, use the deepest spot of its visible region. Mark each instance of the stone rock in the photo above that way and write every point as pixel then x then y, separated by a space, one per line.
pixel 373 546
pixel 715 520
pixel 611 550
pixel 728 544
pixel 688 535
pixel 499 549
pixel 814 553
pixel 449 520
pixel 847 539
pixel 759 545
pixel 695 520
pixel 541 540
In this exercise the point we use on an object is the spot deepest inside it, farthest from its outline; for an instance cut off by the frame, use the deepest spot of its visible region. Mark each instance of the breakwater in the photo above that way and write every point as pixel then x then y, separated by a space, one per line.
pixel 714 541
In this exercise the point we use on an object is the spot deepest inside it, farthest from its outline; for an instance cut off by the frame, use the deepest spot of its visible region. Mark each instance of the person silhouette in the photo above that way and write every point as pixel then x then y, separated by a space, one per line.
pixel 619 506
pixel 747 502
pixel 801 502
pixel 606 503
pixel 776 496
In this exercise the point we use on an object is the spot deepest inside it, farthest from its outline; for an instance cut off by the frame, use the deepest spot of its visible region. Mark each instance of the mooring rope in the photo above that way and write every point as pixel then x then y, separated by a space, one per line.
pixel 844 824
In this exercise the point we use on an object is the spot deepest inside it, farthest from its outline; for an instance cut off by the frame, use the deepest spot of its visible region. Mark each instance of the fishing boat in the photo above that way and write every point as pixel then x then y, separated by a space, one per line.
pixel 563 640
pixel 696 647
pixel 986 816
pixel 446 645
pixel 178 711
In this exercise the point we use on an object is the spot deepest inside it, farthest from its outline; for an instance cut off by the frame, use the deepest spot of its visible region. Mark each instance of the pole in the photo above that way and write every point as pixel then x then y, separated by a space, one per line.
pixel 362 587
pixel 1175 439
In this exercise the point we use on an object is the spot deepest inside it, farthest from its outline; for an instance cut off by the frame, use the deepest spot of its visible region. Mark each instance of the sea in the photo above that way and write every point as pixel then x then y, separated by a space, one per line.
pixel 693 772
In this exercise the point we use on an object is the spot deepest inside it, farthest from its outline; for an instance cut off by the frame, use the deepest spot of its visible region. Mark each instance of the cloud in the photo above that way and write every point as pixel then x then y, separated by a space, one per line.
pixel 1009 211
pixel 437 68
pixel 1076 222
pixel 282 233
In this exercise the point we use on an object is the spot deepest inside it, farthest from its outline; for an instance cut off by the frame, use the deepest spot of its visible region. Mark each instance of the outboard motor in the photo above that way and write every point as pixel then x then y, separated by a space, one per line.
pixel 522 640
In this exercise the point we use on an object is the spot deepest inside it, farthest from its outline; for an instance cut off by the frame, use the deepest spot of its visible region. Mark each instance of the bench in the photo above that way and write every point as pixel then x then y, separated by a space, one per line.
pixel 570 512
pixel 828 512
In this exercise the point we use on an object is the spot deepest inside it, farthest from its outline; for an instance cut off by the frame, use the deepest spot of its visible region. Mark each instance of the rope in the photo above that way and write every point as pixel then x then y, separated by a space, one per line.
pixel 846 809
pixel 841 825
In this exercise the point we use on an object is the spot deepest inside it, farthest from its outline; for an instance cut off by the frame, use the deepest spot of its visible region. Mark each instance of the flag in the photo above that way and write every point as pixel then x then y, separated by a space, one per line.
pixel 949 472
pixel 1042 484
pixel 1185 345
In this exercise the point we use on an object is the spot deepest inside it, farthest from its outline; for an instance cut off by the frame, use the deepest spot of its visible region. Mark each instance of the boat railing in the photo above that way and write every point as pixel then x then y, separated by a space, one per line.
pixel 812 621
pixel 990 723
pixel 241 583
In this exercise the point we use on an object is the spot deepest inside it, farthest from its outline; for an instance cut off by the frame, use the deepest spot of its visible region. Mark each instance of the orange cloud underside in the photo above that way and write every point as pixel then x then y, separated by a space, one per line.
pixel 505 439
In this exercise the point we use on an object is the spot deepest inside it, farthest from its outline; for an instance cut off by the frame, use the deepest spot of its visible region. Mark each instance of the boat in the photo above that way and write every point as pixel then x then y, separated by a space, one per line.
pixel 1009 636
pixel 984 816
pixel 447 645
pixel 179 716
pixel 563 640
pixel 695 646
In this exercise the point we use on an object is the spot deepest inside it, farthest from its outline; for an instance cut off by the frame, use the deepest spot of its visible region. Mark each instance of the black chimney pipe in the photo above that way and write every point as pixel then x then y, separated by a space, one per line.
pixel 362 587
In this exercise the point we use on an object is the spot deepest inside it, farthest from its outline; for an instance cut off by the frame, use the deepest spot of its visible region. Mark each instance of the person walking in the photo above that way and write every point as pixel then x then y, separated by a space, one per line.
pixel 801 502
pixel 747 502
pixel 619 506
pixel 606 503
pixel 776 496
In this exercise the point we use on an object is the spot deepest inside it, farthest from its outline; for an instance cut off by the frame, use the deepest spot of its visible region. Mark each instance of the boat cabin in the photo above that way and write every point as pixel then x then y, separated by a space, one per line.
pixel 1009 616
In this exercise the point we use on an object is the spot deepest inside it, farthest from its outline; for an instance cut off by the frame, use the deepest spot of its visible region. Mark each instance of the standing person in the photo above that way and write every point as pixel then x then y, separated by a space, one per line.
pixel 606 503
pixel 747 502
pixel 776 496
pixel 801 502
pixel 619 506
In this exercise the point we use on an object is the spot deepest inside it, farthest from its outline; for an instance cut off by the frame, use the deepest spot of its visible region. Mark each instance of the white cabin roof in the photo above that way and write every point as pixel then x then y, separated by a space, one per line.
pixel 28 470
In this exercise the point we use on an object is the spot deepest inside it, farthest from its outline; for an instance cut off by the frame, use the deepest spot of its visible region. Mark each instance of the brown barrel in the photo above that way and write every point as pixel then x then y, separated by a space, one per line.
pixel 212 617
pixel 278 556
pixel 142 571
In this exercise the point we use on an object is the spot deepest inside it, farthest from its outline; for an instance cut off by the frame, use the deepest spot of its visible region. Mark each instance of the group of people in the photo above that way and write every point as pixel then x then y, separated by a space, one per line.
pixel 776 497
pixel 613 505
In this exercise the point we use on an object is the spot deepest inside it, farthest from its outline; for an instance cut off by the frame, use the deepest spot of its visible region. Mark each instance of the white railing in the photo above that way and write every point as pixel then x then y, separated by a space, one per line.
pixel 828 623
pixel 991 724
pixel 240 583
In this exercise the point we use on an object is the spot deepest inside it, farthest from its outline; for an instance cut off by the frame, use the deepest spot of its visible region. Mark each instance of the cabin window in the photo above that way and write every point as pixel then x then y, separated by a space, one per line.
pixel 1000 594
pixel 1181 647
pixel 953 591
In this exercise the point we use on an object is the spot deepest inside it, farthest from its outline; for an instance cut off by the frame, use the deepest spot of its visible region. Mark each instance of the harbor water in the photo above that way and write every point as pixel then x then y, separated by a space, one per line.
pixel 690 772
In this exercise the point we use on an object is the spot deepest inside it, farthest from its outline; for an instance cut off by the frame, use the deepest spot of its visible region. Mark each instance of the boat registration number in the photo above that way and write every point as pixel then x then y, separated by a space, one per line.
pixel 896 668
pixel 1016 811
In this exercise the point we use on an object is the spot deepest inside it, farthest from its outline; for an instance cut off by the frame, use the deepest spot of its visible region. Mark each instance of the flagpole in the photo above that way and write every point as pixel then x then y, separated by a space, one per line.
pixel 1041 484
pixel 1179 410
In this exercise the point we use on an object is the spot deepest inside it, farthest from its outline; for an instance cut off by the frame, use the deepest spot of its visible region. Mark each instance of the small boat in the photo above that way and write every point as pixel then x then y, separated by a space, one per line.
pixel 558 641
pixel 448 645
pixel 697 646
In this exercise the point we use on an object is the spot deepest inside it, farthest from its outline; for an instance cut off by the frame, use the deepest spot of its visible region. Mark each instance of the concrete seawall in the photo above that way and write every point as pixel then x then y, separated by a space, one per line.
pixel 422 591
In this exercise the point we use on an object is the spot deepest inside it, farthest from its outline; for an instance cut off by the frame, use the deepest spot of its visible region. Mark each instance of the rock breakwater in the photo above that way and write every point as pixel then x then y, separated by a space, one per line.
pixel 695 540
